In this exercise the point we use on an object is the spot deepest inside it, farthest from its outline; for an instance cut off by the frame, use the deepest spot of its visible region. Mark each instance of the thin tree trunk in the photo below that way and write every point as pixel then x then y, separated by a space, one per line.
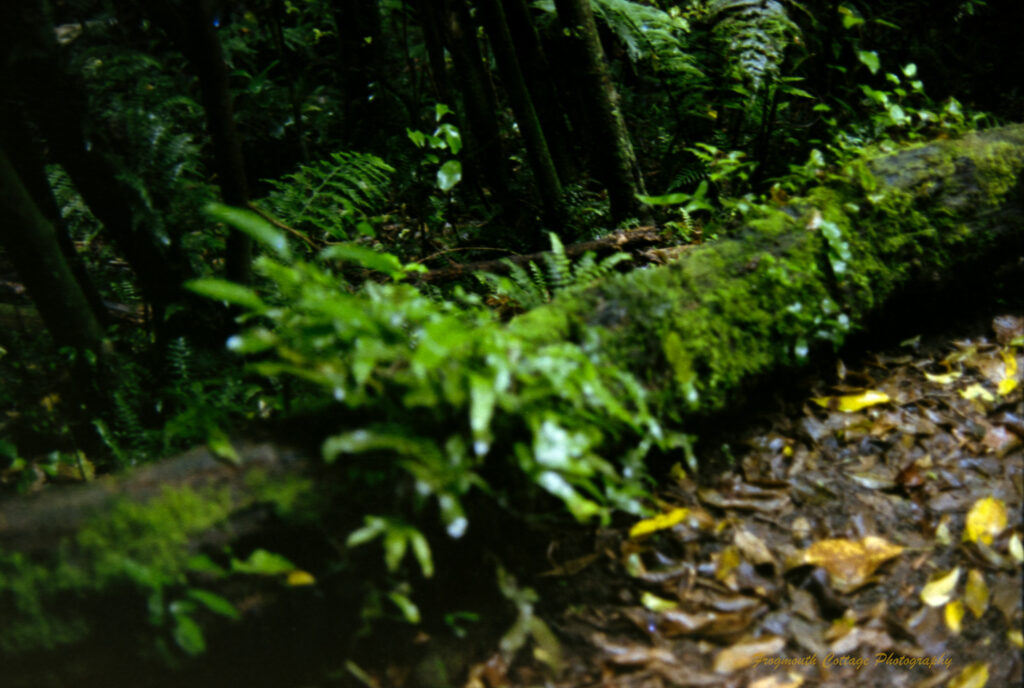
pixel 277 18
pixel 613 148
pixel 545 175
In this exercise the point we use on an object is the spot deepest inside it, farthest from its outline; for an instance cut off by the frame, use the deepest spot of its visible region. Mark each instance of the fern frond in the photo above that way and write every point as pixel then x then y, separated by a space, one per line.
pixel 531 287
pixel 588 270
pixel 649 34
pixel 755 34
pixel 558 264
pixel 332 196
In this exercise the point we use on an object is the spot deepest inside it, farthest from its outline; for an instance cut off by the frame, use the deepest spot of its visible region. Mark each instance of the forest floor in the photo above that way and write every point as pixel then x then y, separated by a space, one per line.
pixel 869 535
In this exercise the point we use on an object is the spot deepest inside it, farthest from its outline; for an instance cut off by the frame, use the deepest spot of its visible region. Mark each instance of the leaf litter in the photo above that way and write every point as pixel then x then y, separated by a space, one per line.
pixel 874 538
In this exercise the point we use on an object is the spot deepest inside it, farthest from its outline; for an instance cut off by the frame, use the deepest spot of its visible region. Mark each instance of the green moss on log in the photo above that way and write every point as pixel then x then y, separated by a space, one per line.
pixel 795 276
pixel 139 548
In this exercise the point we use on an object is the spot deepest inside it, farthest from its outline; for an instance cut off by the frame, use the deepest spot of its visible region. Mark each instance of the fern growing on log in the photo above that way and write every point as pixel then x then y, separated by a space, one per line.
pixel 533 286
pixel 334 197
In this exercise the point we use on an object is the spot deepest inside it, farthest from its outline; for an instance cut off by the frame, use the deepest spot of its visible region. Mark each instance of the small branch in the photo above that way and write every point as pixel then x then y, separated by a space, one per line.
pixel 280 225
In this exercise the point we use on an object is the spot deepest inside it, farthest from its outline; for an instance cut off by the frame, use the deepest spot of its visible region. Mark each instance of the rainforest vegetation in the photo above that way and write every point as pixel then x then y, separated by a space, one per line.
pixel 325 313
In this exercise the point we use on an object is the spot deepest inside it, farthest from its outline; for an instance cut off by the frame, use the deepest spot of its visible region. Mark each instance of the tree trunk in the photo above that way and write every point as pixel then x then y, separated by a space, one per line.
pixel 545 175
pixel 22 150
pixel 78 567
pixel 190 25
pixel 358 24
pixel 487 156
pixel 537 72
pixel 613 149
pixel 434 43
pixel 31 242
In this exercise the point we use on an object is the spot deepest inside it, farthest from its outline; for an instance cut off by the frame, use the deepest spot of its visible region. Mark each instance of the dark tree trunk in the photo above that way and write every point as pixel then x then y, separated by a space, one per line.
pixel 22 151
pixel 537 72
pixel 358 24
pixel 487 156
pixel 545 175
pixel 31 242
pixel 613 149
pixel 277 20
pixel 434 43
pixel 190 25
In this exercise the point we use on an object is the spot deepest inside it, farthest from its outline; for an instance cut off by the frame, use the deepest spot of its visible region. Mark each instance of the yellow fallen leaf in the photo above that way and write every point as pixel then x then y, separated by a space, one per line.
pixel 659 522
pixel 939 589
pixel 1009 381
pixel 974 675
pixel 954 613
pixel 657 604
pixel 728 559
pixel 985 520
pixel 1015 637
pixel 976 391
pixel 944 378
pixel 790 680
pixel 852 402
pixel 298 577
pixel 976 593
pixel 849 563
pixel 1016 548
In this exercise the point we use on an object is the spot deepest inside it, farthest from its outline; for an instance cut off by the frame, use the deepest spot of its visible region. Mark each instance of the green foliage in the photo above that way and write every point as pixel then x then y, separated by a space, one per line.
pixel 754 35
pixel 466 389
pixel 143 116
pixel 650 35
pixel 333 198
pixel 531 287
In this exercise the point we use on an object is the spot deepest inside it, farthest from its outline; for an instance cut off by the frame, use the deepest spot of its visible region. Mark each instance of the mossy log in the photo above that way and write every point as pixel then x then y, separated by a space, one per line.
pixel 92 573
pixel 807 272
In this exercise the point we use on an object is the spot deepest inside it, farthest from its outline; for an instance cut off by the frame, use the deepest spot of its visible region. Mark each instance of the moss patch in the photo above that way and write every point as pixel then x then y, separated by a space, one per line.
pixel 144 547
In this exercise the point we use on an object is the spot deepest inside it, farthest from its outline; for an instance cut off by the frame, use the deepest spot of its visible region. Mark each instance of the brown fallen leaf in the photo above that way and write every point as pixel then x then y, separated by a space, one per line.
pixel 1007 327
pixel 747 653
pixel 753 548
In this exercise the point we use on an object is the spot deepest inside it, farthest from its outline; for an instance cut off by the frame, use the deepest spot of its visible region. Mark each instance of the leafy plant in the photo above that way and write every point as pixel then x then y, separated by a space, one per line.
pixel 469 390
pixel 531 287
pixel 333 198
pixel 446 137
pixel 650 34
pixel 755 35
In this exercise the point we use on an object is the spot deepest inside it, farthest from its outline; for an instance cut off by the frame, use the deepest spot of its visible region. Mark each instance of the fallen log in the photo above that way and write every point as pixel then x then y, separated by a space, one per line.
pixel 783 280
